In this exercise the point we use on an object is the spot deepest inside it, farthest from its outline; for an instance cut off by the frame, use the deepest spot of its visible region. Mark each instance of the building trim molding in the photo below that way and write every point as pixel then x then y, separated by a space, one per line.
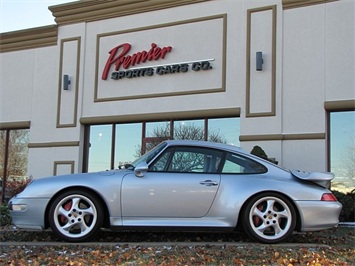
pixel 54 144
pixel 282 137
pixel 272 87
pixel 227 112
pixel 15 125
pixel 341 105
pixel 93 10
pixel 146 95
pixel 289 4
pixel 28 39
pixel 57 163
pixel 75 87
pixel 81 11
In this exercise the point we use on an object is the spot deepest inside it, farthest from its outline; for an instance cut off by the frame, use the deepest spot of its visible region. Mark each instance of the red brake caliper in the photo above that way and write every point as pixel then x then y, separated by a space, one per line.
pixel 67 207
pixel 256 219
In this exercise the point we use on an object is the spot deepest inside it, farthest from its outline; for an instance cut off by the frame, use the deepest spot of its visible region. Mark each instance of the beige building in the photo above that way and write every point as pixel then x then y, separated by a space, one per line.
pixel 94 90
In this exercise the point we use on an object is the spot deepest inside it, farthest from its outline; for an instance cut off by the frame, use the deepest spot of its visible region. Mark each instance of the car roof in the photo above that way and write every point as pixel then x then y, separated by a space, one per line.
pixel 206 144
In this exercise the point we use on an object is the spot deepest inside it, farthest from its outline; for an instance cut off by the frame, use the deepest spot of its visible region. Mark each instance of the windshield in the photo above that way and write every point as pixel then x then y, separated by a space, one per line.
pixel 149 155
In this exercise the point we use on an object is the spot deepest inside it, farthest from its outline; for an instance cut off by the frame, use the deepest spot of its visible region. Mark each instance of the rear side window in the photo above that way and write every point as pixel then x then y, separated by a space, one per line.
pixel 236 164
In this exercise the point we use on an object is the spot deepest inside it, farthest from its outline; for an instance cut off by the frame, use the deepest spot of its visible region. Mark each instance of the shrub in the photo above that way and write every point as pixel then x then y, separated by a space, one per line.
pixel 348 201
pixel 5 218
pixel 15 186
pixel 258 151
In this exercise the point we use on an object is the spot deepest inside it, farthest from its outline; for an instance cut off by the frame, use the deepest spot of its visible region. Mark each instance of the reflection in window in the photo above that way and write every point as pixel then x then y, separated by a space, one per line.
pixel 100 148
pixel 189 160
pixel 157 129
pixel 117 144
pixel 189 129
pixel 161 165
pixel 128 140
pixel 226 130
pixel 342 150
pixel 155 133
pixel 17 157
pixel 236 164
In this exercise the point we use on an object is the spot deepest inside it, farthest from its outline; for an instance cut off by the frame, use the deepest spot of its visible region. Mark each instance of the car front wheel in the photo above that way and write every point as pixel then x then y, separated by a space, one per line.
pixel 76 216
pixel 269 218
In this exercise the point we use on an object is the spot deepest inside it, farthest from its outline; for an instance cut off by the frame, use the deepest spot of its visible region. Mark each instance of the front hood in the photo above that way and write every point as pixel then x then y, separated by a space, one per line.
pixel 320 178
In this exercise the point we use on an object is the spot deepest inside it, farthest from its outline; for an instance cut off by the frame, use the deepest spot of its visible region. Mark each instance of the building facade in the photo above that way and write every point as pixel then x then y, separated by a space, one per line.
pixel 112 77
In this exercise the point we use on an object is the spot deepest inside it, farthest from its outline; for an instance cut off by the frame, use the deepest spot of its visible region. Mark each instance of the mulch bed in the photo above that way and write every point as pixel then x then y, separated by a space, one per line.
pixel 330 247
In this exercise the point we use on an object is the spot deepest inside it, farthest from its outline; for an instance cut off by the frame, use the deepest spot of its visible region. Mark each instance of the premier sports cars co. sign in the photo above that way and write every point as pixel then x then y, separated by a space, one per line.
pixel 180 58
pixel 124 63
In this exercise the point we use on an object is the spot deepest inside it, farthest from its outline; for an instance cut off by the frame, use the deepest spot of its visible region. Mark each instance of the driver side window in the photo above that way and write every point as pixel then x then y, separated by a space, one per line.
pixel 188 160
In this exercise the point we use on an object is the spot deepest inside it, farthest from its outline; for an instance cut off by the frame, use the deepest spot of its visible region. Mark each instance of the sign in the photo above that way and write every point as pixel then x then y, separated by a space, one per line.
pixel 119 59
pixel 165 60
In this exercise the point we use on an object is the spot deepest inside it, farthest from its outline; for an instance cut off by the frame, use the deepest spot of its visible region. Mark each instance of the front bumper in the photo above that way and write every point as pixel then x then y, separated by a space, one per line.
pixel 28 213
pixel 318 215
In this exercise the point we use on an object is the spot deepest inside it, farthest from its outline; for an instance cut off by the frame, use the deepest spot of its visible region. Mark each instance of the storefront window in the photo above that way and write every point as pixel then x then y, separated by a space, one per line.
pixel 118 144
pixel 342 150
pixel 157 129
pixel 155 133
pixel 13 158
pixel 100 148
pixel 189 129
pixel 226 130
pixel 128 141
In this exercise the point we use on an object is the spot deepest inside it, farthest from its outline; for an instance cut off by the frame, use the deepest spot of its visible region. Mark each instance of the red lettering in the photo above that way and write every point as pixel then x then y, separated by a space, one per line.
pixel 112 59
pixel 126 61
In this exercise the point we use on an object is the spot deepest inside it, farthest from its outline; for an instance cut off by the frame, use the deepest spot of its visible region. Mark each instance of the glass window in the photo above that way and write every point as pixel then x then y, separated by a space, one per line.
pixel 128 140
pixel 16 140
pixel 189 160
pixel 161 165
pixel 342 150
pixel 236 164
pixel 157 130
pixel 225 130
pixel 18 153
pixel 100 148
pixel 155 133
pixel 189 129
pixel 119 144
pixel 149 155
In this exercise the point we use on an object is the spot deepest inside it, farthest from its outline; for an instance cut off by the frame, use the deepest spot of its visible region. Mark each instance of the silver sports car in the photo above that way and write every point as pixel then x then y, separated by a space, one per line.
pixel 185 185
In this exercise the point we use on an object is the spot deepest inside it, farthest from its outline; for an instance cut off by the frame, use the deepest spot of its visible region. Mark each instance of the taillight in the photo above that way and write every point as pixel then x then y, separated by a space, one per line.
pixel 328 197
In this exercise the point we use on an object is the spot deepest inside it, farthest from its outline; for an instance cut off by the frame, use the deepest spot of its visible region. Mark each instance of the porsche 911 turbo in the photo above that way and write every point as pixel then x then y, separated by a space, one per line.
pixel 184 185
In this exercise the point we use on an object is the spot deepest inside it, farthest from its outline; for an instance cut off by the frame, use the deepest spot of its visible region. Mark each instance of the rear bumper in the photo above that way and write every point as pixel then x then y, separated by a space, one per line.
pixel 318 215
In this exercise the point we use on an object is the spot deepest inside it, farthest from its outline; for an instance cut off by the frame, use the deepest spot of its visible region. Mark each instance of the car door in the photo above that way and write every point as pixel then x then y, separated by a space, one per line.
pixel 181 183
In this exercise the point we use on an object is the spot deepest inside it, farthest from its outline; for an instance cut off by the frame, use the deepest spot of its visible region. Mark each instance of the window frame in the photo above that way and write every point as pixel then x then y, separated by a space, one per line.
pixel 144 139
pixel 246 158
pixel 5 161
pixel 174 149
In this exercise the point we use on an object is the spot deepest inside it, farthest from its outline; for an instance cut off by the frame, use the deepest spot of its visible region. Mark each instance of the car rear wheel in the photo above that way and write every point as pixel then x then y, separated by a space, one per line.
pixel 269 218
pixel 76 216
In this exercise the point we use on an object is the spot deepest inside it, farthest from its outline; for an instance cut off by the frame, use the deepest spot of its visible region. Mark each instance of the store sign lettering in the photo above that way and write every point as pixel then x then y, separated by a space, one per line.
pixel 162 70
pixel 120 59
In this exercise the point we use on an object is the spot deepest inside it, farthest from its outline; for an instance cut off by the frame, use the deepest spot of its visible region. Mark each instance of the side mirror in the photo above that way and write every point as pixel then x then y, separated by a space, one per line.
pixel 140 169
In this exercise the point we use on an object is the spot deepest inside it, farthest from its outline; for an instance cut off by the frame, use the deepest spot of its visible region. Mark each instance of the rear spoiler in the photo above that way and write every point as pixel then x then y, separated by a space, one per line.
pixel 322 179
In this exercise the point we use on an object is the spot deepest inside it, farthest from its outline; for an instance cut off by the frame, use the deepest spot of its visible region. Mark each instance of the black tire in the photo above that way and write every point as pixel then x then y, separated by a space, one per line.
pixel 76 216
pixel 269 218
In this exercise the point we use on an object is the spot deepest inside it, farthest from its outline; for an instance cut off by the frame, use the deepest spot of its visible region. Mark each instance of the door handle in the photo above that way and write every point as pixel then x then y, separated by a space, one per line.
pixel 209 183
